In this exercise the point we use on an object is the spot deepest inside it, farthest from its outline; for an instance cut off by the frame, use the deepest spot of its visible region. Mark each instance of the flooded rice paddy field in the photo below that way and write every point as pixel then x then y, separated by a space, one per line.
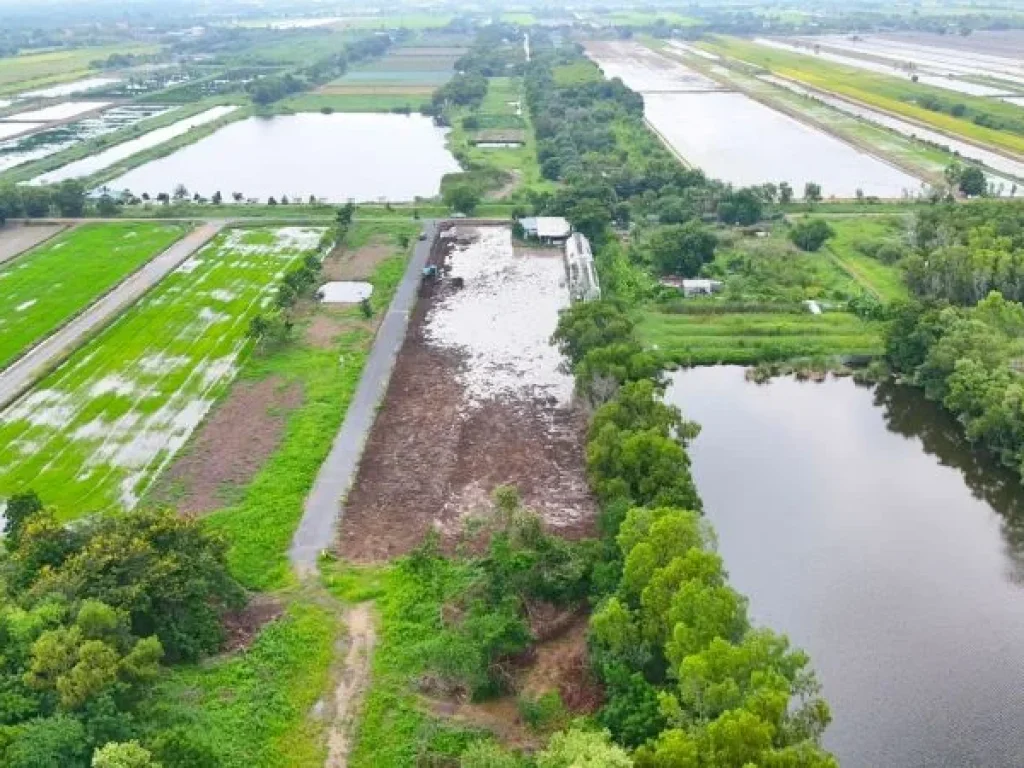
pixel 741 141
pixel 40 291
pixel 938 79
pixel 927 58
pixel 68 89
pixel 1012 169
pixel 477 400
pixel 859 522
pixel 336 157
pixel 18 151
pixel 63 111
pixel 10 130
pixel 102 160
pixel 95 433
pixel 734 138
pixel 1004 44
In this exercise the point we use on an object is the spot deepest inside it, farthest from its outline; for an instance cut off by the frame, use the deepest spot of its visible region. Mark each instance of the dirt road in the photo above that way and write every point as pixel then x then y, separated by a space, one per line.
pixel 48 353
pixel 353 684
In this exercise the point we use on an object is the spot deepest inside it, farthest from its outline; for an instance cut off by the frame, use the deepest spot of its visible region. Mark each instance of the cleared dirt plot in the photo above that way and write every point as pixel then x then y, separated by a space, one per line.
pixel 42 290
pixel 477 400
pixel 15 239
pixel 96 433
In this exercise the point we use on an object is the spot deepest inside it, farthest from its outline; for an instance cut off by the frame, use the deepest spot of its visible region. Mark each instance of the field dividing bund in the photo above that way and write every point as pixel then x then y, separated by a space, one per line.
pixel 95 434
pixel 43 289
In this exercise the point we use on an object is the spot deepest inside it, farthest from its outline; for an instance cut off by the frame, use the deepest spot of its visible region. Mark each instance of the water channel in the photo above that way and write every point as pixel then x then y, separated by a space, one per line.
pixel 860 523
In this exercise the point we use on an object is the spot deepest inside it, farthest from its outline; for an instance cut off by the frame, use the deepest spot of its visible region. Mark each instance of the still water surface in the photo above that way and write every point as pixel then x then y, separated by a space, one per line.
pixel 335 157
pixel 858 522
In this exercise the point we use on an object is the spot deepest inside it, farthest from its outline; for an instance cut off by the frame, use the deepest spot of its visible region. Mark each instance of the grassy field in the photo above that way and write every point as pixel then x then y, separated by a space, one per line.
pixel 252 709
pixel 353 102
pixel 36 70
pixel 42 290
pixel 638 18
pixel 577 73
pixel 261 524
pixel 708 339
pixel 888 93
pixel 853 236
pixel 94 434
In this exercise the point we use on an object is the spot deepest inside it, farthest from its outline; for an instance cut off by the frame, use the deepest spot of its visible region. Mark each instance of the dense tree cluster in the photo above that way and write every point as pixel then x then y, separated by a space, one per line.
pixel 969 359
pixel 87 616
pixel 962 252
pixel 614 171
pixel 66 199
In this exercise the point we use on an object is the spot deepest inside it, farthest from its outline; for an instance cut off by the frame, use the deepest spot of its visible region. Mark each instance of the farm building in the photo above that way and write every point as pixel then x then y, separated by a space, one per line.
pixel 579 269
pixel 694 286
pixel 548 229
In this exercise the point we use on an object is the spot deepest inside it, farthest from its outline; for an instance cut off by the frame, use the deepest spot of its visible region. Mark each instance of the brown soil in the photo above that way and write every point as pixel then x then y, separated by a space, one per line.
pixel 230 447
pixel 352 685
pixel 431 462
pixel 359 264
pixel 242 627
pixel 557 664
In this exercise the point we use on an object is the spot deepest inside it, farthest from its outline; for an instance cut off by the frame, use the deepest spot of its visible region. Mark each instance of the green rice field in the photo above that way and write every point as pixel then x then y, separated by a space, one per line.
pixel 41 290
pixel 94 434
pixel 706 339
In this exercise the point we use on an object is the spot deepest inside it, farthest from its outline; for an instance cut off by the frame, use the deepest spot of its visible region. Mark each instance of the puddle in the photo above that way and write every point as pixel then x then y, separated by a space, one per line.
pixel 348 292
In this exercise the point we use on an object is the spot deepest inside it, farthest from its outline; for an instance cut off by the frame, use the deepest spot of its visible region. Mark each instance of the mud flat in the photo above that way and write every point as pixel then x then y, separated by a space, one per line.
pixel 477 400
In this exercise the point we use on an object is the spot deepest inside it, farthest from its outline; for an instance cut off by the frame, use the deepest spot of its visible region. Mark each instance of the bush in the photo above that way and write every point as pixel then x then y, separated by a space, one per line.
pixel 810 235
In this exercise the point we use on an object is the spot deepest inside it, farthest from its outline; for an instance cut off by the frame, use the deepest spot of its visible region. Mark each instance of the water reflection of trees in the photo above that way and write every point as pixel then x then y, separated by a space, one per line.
pixel 907 413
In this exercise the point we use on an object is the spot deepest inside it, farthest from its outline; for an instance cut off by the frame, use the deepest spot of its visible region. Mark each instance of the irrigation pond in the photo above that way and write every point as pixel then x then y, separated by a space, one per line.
pixel 860 523
pixel 334 157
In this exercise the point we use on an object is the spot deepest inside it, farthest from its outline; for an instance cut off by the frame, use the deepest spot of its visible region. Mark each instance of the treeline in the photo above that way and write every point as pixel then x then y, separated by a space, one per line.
pixel 66 199
pixel 687 679
pixel 592 137
pixel 968 359
pixel 89 616
pixel 963 252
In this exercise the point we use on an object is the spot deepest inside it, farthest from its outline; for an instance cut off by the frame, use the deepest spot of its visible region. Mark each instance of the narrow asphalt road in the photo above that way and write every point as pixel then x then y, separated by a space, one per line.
pixel 323 510
pixel 47 354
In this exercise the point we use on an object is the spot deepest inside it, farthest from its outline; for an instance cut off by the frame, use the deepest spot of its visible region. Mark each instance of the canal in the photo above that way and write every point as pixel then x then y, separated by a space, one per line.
pixel 860 523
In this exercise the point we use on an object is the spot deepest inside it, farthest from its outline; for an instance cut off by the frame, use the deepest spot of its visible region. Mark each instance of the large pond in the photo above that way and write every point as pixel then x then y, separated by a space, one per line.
pixel 736 139
pixel 334 157
pixel 858 522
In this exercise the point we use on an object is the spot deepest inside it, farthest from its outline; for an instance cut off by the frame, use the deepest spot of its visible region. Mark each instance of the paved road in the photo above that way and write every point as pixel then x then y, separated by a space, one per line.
pixel 317 530
pixel 47 354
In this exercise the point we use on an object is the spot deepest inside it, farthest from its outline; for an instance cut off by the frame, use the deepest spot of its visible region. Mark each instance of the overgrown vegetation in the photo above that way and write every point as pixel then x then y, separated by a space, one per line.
pixel 88 616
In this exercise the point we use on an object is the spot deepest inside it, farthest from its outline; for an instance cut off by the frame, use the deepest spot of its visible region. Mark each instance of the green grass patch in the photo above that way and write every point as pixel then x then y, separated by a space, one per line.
pixel 708 339
pixel 577 73
pixel 853 234
pixel 44 289
pixel 261 525
pixel 253 709
pixel 396 730
pixel 348 102
pixel 94 434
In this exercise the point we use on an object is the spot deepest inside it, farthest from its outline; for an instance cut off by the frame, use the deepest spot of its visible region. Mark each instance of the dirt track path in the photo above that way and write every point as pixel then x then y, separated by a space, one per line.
pixel 24 372
pixel 353 684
